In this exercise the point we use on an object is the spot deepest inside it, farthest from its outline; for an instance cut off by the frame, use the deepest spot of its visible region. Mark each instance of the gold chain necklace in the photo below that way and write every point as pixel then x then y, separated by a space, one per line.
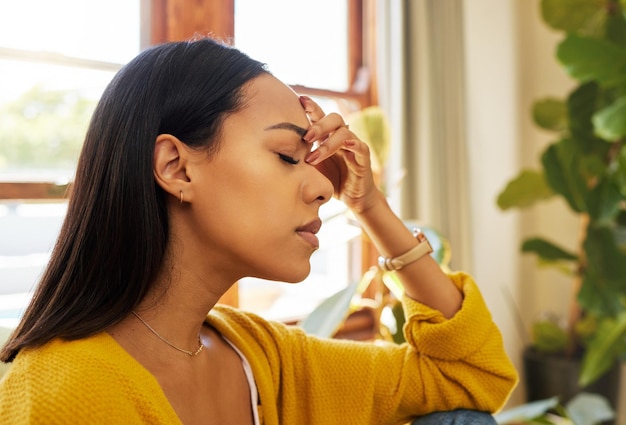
pixel 188 352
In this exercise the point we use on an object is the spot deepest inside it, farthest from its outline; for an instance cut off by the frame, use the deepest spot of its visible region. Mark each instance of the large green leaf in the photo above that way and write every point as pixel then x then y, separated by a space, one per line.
pixel 608 344
pixel 328 316
pixel 592 166
pixel 597 299
pixel 604 201
pixel 526 412
pixel 524 190
pixel 562 166
pixel 546 250
pixel 583 409
pixel 550 114
pixel 603 288
pixel 610 122
pixel 605 260
pixel 571 15
pixel 588 59
pixel 581 105
pixel 589 409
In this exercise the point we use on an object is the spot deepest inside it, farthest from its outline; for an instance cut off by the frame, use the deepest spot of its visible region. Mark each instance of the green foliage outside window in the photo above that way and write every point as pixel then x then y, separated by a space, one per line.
pixel 43 129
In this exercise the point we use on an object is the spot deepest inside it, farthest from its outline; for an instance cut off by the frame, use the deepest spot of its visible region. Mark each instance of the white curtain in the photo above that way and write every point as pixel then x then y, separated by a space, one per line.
pixel 421 77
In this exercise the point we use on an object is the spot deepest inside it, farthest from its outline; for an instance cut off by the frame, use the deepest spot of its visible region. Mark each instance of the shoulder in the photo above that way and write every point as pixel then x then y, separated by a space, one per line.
pixel 67 365
pixel 232 320
pixel 249 331
pixel 80 377
pixel 70 357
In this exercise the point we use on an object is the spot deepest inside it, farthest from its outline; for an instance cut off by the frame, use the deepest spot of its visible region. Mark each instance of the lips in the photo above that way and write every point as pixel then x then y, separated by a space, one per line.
pixel 308 231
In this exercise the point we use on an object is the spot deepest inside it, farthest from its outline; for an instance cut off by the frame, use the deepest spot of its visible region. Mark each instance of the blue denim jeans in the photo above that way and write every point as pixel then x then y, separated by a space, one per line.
pixel 456 417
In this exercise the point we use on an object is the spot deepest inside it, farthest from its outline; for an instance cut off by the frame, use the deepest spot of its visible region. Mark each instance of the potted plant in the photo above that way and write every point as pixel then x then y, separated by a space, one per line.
pixel 585 166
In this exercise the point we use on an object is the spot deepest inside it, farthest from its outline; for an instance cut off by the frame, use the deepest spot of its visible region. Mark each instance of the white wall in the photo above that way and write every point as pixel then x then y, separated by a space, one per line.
pixel 493 139
pixel 540 76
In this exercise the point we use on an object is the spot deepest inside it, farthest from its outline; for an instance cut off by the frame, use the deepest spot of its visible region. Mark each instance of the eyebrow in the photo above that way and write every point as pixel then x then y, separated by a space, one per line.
pixel 288 126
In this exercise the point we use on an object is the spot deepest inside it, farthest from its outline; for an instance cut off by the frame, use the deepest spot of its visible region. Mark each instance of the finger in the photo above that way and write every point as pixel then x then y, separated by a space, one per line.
pixel 349 169
pixel 357 160
pixel 340 138
pixel 356 155
pixel 321 124
pixel 312 109
pixel 322 128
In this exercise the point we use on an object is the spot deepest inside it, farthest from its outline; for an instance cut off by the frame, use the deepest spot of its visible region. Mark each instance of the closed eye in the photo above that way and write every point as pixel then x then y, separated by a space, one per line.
pixel 288 159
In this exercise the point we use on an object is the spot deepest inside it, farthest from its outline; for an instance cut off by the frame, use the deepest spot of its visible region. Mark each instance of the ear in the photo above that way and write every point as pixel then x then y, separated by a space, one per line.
pixel 169 165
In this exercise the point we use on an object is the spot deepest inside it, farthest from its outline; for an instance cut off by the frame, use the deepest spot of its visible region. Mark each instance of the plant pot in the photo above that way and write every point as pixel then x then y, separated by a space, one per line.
pixel 549 375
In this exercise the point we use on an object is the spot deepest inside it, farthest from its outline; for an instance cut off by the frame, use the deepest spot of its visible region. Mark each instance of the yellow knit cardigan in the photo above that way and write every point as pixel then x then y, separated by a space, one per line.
pixel 446 364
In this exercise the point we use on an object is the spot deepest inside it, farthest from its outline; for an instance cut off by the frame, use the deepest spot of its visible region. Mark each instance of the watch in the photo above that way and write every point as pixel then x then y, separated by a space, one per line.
pixel 396 263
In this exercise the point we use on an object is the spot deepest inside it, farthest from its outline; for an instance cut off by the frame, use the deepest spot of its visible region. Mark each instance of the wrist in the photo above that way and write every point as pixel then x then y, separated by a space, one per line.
pixel 420 250
pixel 369 203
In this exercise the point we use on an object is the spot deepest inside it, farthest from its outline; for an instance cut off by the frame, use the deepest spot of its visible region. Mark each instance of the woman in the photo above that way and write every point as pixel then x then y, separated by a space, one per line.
pixel 198 170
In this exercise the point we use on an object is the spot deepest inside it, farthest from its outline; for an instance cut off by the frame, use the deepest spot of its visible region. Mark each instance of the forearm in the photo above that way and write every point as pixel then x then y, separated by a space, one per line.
pixel 423 280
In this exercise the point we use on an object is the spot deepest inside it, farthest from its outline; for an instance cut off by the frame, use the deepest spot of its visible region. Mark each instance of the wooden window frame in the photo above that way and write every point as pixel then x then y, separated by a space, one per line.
pixel 182 19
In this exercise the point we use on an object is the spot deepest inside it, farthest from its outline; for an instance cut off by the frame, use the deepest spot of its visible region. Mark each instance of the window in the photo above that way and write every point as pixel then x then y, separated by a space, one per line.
pixel 289 42
pixel 53 71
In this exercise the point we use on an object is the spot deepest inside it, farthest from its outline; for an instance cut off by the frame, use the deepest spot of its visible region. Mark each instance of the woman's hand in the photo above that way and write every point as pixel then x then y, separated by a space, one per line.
pixel 341 157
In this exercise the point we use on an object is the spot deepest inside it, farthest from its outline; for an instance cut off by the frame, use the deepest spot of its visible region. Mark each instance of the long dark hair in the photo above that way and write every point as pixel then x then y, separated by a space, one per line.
pixel 113 239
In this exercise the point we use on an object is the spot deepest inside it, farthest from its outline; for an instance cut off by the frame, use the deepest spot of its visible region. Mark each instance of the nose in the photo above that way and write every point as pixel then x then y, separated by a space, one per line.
pixel 317 187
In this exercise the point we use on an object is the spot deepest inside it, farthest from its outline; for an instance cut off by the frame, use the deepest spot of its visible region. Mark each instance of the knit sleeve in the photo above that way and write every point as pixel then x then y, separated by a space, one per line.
pixel 467 351
pixel 447 364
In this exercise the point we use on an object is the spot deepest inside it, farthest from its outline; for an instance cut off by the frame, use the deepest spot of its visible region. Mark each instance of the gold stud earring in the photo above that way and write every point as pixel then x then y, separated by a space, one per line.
pixel 181 196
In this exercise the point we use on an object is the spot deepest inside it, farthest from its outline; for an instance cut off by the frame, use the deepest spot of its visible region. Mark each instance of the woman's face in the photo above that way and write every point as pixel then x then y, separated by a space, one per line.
pixel 256 209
